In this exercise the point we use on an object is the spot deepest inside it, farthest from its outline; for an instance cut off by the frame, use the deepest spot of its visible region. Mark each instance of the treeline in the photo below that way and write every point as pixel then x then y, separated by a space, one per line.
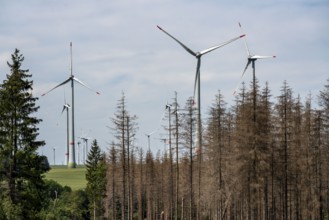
pixel 263 158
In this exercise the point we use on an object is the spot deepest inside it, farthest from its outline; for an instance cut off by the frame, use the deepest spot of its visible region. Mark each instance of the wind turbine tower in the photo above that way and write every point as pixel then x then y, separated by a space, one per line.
pixel 85 151
pixel 66 108
pixel 72 79
pixel 197 89
pixel 148 139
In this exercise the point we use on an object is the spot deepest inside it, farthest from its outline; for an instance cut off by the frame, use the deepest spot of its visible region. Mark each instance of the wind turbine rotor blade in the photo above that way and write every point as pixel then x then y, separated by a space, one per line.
pixel 71 67
pixel 197 74
pixel 66 81
pixel 151 133
pixel 245 41
pixel 83 138
pixel 248 63
pixel 220 45
pixel 81 83
pixel 184 46
pixel 64 107
pixel 261 57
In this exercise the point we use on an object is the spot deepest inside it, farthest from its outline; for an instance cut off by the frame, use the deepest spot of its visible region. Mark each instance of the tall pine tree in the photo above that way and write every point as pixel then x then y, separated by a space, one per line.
pixel 21 166
pixel 96 180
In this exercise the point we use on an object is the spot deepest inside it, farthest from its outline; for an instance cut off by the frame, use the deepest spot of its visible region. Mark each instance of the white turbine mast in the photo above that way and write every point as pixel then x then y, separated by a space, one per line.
pixel 72 79
pixel 85 148
pixel 66 108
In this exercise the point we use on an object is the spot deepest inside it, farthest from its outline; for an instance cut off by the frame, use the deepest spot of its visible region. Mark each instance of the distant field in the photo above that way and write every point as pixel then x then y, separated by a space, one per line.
pixel 74 178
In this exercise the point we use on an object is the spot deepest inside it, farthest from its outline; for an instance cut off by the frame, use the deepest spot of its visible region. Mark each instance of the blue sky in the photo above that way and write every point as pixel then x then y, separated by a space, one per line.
pixel 117 48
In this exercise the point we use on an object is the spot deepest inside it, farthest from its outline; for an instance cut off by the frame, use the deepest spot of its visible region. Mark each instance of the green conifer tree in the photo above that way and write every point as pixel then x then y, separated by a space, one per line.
pixel 21 167
pixel 96 180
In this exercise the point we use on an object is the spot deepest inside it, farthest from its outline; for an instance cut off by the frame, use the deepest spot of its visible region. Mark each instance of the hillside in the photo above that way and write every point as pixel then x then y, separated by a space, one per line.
pixel 74 178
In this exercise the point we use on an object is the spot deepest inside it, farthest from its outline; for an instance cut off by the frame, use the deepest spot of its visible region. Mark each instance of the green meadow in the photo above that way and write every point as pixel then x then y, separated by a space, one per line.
pixel 74 178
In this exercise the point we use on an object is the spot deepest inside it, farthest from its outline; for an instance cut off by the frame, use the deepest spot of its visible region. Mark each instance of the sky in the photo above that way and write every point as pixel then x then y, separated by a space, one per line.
pixel 118 49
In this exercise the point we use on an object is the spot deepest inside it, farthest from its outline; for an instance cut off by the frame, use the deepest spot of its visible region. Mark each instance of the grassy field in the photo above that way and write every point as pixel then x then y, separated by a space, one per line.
pixel 74 178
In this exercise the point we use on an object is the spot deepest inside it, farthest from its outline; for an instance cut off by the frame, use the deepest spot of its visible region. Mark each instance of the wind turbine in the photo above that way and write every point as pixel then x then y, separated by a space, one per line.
pixel 72 78
pixel 198 55
pixel 168 106
pixel 148 138
pixel 85 152
pixel 79 152
pixel 84 137
pixel 66 108
pixel 251 60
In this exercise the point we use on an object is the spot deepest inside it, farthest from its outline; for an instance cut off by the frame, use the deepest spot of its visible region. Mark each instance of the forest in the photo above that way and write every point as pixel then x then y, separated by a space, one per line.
pixel 263 157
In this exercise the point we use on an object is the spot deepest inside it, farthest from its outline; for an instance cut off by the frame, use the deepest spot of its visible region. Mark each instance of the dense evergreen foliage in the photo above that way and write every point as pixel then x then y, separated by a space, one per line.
pixel 21 167
pixel 96 180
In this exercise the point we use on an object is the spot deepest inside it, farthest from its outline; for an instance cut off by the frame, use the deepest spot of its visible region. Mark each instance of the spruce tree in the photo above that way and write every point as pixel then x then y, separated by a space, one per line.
pixel 96 180
pixel 125 127
pixel 215 138
pixel 21 166
pixel 284 133
pixel 322 143
pixel 112 199
pixel 188 131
